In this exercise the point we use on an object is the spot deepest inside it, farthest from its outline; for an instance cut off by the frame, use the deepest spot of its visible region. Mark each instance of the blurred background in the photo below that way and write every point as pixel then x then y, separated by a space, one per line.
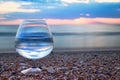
pixel 75 24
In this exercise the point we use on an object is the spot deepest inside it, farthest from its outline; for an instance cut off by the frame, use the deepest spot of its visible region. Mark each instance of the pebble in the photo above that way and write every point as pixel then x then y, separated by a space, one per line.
pixel 49 79
pixel 13 78
pixel 118 68
pixel 23 64
pixel 75 67
pixel 63 70
pixel 50 70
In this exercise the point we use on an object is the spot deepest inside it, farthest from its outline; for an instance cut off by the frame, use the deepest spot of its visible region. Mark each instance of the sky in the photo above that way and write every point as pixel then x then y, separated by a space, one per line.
pixel 60 12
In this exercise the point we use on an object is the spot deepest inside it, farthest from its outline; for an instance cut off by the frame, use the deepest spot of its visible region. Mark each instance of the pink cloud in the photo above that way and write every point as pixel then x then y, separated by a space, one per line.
pixel 11 22
pixel 70 21
pixel 108 20
pixel 83 21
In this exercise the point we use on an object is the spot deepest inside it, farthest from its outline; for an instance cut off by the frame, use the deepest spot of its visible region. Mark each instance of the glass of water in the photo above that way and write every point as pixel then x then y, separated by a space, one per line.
pixel 33 41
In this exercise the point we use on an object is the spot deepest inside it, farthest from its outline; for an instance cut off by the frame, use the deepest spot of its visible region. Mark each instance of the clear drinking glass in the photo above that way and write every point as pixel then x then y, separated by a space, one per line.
pixel 33 41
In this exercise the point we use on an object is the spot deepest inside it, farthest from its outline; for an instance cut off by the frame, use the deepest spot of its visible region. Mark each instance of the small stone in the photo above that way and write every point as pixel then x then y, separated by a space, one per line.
pixel 13 73
pixel 3 78
pixel 43 67
pixel 12 63
pixel 1 65
pixel 95 55
pixel 13 78
pixel 74 68
pixel 81 62
pixel 23 64
pixel 29 78
pixel 51 70
pixel 49 79
pixel 63 70
pixel 117 67
pixel 40 66
pixel 43 79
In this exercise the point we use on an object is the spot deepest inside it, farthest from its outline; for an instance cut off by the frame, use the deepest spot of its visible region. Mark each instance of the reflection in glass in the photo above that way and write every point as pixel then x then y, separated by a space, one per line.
pixel 33 41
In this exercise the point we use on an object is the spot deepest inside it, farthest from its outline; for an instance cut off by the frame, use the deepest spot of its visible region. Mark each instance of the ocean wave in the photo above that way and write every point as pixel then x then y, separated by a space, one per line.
pixel 7 33
pixel 68 34
pixel 88 34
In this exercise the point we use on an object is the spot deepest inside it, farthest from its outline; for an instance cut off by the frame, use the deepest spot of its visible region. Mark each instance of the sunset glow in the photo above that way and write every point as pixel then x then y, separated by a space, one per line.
pixel 70 22
pixel 65 12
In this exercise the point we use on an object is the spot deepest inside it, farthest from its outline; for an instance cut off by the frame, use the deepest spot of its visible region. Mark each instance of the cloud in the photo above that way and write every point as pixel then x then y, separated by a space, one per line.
pixel 66 21
pixel 11 22
pixel 108 20
pixel 102 1
pixel 79 21
pixel 76 21
pixel 72 11
pixel 51 7
pixel 2 18
pixel 9 7
pixel 84 15
pixel 75 1
pixel 67 11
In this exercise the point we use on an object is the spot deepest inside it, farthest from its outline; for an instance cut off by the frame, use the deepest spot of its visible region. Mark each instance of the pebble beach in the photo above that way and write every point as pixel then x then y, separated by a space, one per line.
pixel 97 65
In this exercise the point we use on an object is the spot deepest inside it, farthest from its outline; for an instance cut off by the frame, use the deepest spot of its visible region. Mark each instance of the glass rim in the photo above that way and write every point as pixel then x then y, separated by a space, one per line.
pixel 34 21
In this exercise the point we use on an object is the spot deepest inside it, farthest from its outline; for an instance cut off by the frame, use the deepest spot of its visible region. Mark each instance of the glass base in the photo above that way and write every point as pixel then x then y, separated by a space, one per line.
pixel 31 71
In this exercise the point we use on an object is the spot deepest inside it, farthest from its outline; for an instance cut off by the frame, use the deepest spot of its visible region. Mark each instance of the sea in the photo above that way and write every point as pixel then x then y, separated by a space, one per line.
pixel 69 37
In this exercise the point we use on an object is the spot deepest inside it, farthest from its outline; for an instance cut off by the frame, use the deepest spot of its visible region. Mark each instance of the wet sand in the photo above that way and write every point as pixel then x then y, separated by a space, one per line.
pixel 79 65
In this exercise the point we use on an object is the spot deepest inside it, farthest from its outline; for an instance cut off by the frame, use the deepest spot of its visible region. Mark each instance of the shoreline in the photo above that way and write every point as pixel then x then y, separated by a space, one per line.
pixel 110 49
pixel 63 66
